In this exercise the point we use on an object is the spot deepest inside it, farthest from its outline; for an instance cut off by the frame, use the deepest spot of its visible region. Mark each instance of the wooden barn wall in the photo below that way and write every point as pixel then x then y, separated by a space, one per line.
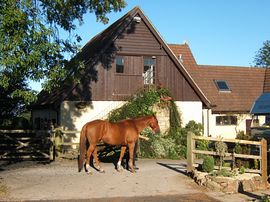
pixel 171 77
pixel 138 39
pixel 134 43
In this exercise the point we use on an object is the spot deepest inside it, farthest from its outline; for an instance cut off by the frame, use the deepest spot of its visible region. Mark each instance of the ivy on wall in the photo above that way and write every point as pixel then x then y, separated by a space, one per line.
pixel 141 104
pixel 171 145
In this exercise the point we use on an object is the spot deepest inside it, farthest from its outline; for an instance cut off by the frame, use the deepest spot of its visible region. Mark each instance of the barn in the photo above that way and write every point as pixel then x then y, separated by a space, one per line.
pixel 130 55
pixel 127 56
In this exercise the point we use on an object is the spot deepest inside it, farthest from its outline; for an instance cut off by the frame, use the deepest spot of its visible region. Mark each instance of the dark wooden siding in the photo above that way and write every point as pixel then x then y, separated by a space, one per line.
pixel 125 84
pixel 138 39
pixel 135 43
pixel 170 76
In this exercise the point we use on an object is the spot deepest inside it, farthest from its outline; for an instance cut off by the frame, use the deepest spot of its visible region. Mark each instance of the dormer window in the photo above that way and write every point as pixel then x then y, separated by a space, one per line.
pixel 222 86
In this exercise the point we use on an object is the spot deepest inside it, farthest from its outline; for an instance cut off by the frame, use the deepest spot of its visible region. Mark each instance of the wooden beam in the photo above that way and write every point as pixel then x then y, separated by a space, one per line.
pixel 264 161
pixel 190 154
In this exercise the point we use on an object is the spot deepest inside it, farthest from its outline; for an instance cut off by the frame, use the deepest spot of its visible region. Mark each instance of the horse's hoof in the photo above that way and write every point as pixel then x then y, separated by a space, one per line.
pixel 132 171
pixel 101 170
pixel 119 168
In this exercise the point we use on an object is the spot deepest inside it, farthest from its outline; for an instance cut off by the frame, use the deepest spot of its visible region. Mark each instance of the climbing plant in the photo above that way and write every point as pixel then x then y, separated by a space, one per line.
pixel 170 145
pixel 141 104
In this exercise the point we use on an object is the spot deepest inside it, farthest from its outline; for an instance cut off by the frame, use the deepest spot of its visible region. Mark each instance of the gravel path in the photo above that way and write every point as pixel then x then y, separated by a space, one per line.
pixel 60 180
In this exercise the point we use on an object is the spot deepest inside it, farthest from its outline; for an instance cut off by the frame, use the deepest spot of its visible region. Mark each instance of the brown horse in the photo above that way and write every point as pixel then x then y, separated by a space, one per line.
pixel 124 133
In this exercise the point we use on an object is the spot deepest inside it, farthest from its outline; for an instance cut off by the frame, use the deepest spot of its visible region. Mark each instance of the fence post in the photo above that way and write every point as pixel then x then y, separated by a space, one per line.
pixel 190 155
pixel 52 146
pixel 264 161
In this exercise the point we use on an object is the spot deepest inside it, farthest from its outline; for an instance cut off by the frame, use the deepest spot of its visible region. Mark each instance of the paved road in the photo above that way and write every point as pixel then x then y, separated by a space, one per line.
pixel 156 180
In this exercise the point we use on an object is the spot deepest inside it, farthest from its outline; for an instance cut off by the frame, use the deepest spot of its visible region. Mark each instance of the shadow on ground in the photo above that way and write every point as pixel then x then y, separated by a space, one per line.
pixel 180 168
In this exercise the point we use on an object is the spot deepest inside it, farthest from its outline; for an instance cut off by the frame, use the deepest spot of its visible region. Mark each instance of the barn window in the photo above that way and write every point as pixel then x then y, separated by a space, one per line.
pixel 226 120
pixel 222 86
pixel 149 71
pixel 119 64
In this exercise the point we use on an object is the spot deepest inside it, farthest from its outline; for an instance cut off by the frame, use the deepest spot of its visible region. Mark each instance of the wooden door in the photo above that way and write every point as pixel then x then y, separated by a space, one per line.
pixel 129 78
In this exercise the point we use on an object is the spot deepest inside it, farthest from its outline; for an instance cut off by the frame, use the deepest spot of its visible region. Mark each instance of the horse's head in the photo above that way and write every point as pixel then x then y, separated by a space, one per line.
pixel 154 124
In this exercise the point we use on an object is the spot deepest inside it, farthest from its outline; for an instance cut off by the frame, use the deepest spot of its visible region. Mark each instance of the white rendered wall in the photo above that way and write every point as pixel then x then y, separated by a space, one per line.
pixel 227 131
pixel 190 111
pixel 73 118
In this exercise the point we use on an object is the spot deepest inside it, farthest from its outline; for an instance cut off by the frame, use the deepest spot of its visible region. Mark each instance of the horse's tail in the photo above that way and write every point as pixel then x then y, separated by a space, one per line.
pixel 82 148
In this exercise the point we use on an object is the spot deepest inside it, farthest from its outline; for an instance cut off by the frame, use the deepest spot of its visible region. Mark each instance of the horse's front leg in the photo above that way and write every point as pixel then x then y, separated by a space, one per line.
pixel 131 153
pixel 88 156
pixel 119 167
pixel 97 162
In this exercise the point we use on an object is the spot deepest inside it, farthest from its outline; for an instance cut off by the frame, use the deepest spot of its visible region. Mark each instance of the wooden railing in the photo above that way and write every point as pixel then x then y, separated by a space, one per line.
pixel 262 154
pixel 39 145
pixel 65 143
pixel 25 145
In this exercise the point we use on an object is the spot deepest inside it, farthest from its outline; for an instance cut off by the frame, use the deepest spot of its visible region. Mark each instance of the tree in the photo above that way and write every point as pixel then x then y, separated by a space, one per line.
pixel 11 106
pixel 262 58
pixel 31 47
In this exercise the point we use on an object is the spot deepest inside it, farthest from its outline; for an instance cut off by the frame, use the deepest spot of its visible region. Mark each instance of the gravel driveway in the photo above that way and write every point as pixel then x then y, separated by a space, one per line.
pixel 156 180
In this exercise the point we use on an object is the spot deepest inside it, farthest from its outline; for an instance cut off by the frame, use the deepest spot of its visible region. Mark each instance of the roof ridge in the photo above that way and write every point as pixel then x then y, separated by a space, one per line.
pixel 115 22
pixel 178 44
pixel 229 66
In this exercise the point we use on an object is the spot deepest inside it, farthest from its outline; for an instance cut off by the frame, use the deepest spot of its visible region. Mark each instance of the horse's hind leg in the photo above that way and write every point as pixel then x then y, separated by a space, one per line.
pixel 90 150
pixel 131 152
pixel 119 167
pixel 97 162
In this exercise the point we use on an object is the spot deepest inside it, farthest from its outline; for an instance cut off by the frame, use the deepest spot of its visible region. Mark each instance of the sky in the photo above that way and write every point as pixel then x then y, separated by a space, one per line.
pixel 219 32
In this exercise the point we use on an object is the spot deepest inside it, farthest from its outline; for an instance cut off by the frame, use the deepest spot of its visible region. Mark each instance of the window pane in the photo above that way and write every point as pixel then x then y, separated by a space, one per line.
pixel 149 71
pixel 119 64
pixel 226 120
pixel 222 85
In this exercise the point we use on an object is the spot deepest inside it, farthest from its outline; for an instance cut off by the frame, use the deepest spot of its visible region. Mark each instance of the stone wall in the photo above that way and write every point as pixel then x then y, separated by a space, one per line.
pixel 163 116
pixel 247 182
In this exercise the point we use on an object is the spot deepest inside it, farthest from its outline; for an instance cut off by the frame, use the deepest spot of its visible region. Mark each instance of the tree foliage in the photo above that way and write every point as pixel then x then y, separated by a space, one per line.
pixel 262 58
pixel 33 46
pixel 11 106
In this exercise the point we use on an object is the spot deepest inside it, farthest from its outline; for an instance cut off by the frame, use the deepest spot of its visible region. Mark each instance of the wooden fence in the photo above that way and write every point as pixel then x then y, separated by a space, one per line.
pixel 261 156
pixel 25 145
pixel 41 145
pixel 65 144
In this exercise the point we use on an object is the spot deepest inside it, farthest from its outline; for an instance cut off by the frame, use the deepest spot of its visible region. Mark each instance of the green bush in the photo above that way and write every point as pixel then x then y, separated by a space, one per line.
pixel 243 149
pixel 224 173
pixel 208 164
pixel 159 147
pixel 242 170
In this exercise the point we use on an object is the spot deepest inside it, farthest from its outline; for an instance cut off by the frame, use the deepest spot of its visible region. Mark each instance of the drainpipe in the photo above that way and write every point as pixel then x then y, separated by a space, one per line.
pixel 208 130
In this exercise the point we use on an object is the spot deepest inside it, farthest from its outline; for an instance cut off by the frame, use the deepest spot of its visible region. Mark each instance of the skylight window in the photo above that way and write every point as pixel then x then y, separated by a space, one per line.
pixel 222 86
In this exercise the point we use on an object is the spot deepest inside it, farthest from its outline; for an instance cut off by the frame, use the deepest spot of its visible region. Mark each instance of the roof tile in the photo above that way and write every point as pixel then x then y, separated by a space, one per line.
pixel 246 83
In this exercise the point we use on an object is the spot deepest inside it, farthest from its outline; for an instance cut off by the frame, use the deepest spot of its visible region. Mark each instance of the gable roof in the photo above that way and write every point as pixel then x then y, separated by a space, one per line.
pixel 183 53
pixel 98 45
pixel 246 83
